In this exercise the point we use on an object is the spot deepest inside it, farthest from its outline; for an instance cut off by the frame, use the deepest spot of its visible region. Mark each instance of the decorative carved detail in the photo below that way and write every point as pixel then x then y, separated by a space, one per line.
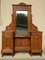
pixel 22 3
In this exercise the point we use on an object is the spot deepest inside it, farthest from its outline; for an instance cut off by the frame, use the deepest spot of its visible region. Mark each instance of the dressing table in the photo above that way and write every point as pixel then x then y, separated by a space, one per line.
pixel 21 35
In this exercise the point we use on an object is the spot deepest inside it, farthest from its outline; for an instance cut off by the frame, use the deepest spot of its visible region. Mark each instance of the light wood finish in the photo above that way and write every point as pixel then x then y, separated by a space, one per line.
pixel 36 42
pixel 12 42
pixel 7 42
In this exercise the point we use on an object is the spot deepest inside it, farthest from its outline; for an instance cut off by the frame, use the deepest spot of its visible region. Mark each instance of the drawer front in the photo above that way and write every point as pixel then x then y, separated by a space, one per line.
pixel 25 42
pixel 20 48
pixel 22 42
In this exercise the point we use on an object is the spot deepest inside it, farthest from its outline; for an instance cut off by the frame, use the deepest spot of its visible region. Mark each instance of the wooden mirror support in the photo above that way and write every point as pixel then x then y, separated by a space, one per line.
pixel 30 42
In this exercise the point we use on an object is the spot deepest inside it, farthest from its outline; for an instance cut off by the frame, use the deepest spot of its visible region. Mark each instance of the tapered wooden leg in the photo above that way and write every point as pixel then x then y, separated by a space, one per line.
pixel 31 53
pixel 41 53
pixel 2 54
pixel 12 54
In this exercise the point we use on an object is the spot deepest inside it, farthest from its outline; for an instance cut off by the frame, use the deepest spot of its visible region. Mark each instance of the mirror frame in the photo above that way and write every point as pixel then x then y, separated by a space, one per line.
pixel 21 7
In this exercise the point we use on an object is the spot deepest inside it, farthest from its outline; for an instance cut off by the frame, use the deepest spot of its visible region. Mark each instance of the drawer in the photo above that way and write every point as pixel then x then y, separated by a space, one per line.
pixel 21 48
pixel 25 42
pixel 22 42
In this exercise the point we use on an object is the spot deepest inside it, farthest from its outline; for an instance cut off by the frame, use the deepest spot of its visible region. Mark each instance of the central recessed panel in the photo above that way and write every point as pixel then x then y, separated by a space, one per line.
pixel 21 22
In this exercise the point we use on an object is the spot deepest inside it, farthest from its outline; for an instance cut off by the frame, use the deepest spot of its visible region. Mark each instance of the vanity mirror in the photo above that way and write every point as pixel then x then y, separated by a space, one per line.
pixel 21 22
pixel 22 18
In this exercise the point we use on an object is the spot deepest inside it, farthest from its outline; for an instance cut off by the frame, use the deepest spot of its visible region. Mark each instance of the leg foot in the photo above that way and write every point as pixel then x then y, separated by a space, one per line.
pixel 2 54
pixel 41 54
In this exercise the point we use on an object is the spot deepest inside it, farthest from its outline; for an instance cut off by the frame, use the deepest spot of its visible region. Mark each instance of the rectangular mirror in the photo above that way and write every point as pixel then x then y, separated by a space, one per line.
pixel 21 22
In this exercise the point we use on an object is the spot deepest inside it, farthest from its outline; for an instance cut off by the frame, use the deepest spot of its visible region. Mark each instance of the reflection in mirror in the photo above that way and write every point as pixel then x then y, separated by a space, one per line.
pixel 21 22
